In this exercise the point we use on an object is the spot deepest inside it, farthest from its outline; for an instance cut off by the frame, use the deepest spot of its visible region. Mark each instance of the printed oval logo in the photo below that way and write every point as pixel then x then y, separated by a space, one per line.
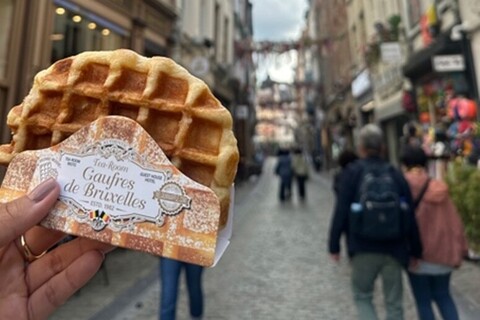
pixel 172 198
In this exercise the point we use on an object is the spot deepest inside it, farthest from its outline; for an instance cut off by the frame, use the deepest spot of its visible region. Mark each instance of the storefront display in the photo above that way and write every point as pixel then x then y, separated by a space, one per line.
pixel 77 30
pixel 448 120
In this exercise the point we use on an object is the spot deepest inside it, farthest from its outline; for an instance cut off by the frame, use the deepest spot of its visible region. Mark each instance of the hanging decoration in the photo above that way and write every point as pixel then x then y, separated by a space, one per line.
pixel 247 46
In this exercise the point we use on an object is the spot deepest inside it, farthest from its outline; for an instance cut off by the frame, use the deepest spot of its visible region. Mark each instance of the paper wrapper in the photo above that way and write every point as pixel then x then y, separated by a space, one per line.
pixel 117 186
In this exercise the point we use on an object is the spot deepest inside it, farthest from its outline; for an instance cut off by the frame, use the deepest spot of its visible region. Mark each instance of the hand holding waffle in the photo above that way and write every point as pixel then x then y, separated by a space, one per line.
pixel 169 121
pixel 33 284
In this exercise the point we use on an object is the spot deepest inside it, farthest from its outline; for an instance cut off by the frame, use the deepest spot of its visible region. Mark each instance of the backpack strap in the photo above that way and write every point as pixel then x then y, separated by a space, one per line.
pixel 421 194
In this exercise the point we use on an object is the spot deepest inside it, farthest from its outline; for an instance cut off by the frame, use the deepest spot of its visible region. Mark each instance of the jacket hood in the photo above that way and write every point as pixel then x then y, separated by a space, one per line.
pixel 437 190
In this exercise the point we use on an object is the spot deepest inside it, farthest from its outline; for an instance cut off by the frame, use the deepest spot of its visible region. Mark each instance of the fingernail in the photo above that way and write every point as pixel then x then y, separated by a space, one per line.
pixel 42 190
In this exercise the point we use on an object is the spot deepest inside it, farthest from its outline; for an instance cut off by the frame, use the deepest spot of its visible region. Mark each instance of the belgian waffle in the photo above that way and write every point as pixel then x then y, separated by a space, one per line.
pixel 175 108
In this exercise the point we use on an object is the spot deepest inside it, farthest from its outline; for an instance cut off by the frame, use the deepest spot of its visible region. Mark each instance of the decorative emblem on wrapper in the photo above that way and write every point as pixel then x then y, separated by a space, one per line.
pixel 99 219
pixel 118 186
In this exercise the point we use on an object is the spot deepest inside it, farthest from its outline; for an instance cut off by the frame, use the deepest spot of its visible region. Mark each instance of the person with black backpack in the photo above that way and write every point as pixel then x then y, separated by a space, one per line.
pixel 374 210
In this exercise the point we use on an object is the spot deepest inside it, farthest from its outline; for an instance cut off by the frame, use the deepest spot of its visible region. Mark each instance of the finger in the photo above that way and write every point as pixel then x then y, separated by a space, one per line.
pixel 21 214
pixel 59 288
pixel 55 261
pixel 40 239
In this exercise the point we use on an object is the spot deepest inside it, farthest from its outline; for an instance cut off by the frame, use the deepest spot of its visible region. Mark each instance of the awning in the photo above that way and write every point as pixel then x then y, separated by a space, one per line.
pixel 420 62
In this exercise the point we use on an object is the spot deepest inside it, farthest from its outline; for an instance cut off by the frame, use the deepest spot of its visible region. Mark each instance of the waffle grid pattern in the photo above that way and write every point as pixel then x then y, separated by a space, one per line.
pixel 177 110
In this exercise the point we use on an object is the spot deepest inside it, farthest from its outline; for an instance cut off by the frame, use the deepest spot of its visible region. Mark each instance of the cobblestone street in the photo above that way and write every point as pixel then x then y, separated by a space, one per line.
pixel 277 267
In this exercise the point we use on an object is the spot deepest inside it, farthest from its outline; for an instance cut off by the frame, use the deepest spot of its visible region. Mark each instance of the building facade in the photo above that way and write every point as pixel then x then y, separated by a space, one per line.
pixel 409 62
pixel 378 53
pixel 244 112
pixel 309 88
pixel 335 76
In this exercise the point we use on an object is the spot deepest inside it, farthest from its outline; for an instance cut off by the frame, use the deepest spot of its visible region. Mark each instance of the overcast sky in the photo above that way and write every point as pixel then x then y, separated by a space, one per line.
pixel 278 20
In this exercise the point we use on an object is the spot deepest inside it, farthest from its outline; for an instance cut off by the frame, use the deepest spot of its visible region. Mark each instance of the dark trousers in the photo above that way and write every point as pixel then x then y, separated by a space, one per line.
pixel 301 180
pixel 433 288
pixel 170 273
pixel 285 188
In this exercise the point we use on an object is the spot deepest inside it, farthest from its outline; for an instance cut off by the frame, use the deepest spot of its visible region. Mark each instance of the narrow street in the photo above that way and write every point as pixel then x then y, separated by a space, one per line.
pixel 276 267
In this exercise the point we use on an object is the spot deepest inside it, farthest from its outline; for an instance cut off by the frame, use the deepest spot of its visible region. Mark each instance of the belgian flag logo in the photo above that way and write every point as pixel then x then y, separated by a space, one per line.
pixel 99 219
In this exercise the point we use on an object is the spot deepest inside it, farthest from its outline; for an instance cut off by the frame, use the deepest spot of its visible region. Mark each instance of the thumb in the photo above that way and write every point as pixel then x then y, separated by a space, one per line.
pixel 21 214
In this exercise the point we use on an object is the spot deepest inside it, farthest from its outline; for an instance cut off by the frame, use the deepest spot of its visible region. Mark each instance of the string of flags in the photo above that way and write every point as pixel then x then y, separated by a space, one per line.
pixel 247 46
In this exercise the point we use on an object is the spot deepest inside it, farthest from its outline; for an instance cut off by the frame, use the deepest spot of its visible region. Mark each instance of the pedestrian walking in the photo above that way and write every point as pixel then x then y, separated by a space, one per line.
pixel 284 170
pixel 300 171
pixel 170 273
pixel 344 159
pixel 442 236
pixel 374 210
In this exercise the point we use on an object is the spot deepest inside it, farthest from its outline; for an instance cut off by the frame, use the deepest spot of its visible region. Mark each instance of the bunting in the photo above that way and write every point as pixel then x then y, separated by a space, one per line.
pixel 247 46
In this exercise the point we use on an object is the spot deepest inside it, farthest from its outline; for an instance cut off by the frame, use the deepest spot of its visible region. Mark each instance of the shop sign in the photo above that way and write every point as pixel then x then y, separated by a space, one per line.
pixel 361 83
pixel 448 63
pixel 391 52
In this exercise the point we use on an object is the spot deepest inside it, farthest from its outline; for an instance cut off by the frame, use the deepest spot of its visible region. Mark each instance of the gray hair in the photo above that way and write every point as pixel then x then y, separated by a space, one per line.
pixel 371 139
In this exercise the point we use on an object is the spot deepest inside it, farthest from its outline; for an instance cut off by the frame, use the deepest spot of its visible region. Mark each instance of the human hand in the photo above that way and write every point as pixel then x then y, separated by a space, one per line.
pixel 31 286
pixel 335 257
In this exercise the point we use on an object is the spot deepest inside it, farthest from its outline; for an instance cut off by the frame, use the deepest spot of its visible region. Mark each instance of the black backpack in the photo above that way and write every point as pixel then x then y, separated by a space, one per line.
pixel 379 213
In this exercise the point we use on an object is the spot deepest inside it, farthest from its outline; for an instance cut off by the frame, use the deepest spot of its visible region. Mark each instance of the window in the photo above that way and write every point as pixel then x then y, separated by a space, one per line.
pixel 225 40
pixel 75 32
pixel 6 13
pixel 217 28
pixel 203 20
pixel 414 12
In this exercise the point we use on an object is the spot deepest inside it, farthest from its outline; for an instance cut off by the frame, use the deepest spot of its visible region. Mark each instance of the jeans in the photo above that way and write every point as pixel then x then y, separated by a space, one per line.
pixel 433 288
pixel 366 267
pixel 170 274
pixel 285 188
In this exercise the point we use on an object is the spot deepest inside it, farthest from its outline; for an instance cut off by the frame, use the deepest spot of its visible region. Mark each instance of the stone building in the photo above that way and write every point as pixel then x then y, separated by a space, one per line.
pixel 335 75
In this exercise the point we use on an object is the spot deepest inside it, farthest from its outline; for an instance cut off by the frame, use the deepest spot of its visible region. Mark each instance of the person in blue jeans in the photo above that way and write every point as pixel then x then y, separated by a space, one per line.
pixel 170 273
pixel 427 288
pixel 442 234
pixel 284 170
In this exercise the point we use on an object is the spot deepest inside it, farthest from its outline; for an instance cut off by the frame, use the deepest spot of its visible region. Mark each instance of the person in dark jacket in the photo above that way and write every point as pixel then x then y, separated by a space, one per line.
pixel 370 258
pixel 344 159
pixel 285 171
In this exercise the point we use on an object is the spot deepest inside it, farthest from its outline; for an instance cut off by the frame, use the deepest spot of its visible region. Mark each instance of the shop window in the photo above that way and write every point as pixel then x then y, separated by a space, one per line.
pixel 6 13
pixel 78 31
pixel 414 12
pixel 226 28
pixel 153 49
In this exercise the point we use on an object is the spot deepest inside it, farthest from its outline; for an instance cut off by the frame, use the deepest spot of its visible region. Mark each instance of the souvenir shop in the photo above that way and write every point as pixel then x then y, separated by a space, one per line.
pixel 443 105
